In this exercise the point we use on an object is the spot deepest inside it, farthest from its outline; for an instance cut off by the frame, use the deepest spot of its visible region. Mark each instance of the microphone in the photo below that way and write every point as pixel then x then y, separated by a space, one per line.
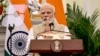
pixel 51 25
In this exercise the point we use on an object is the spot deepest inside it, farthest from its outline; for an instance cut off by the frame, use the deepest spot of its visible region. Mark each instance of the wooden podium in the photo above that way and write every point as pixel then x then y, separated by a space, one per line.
pixel 56 47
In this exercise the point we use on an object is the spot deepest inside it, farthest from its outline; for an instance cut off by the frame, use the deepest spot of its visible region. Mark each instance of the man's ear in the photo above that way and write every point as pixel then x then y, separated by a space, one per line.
pixel 54 14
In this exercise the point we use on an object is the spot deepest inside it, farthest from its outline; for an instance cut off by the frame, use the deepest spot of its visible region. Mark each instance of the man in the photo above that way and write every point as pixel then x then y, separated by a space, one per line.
pixel 49 28
pixel 49 25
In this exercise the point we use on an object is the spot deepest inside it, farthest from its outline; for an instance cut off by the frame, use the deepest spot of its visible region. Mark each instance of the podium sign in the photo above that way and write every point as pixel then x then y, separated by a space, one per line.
pixel 63 46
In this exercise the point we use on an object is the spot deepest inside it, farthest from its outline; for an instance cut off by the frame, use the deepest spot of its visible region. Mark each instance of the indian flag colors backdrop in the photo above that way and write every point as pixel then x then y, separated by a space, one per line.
pixel 18 26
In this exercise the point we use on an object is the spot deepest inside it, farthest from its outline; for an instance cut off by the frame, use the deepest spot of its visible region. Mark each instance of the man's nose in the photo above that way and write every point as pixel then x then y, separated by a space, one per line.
pixel 45 14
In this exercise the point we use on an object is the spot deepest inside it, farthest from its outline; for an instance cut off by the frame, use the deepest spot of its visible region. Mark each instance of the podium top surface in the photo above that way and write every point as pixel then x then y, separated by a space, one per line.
pixel 44 46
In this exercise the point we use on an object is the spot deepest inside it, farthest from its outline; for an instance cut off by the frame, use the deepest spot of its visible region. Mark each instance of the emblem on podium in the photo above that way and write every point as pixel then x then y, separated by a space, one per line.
pixel 56 46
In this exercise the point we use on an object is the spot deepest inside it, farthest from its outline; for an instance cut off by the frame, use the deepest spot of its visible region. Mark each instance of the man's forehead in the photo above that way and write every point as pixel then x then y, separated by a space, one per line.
pixel 46 8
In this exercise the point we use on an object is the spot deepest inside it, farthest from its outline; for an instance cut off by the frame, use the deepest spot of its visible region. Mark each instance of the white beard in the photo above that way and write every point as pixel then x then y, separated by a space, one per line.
pixel 50 21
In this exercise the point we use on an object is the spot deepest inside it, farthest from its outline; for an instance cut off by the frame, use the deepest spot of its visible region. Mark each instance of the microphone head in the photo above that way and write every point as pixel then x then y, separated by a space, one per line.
pixel 51 26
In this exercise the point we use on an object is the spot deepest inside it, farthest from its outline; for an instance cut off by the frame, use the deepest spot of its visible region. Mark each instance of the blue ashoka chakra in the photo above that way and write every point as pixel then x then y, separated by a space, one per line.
pixel 17 42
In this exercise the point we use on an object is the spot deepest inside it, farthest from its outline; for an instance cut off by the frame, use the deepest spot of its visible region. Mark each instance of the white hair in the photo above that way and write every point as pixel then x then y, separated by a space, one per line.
pixel 47 4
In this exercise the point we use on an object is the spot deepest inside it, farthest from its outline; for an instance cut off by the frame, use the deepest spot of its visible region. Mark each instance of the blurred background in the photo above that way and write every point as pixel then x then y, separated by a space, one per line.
pixel 83 20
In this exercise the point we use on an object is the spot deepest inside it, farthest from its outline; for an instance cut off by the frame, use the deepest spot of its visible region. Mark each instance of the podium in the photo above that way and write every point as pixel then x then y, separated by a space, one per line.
pixel 56 47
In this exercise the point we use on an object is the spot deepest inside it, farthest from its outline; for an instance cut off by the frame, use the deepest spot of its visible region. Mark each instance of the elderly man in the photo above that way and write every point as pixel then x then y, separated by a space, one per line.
pixel 49 28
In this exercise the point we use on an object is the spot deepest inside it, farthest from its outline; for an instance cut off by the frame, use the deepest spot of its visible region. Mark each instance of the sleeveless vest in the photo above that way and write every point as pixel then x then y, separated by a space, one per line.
pixel 37 29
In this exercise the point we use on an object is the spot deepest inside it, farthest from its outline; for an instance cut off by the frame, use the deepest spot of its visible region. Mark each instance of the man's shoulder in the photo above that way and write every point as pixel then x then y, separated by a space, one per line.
pixel 61 25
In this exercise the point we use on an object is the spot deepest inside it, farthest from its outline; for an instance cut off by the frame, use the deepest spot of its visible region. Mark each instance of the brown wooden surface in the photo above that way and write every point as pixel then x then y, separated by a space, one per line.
pixel 69 46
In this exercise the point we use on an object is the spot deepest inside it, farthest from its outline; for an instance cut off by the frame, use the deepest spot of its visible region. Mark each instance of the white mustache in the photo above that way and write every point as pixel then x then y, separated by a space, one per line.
pixel 50 21
pixel 45 18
